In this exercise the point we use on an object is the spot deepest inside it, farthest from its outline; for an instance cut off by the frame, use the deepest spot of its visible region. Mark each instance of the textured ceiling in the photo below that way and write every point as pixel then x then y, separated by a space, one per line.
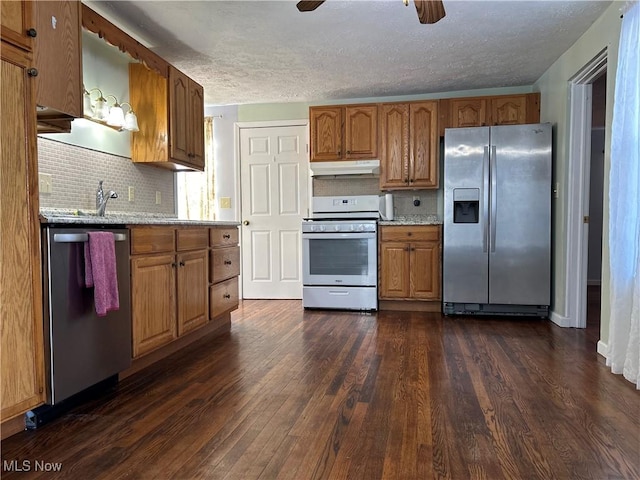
pixel 266 51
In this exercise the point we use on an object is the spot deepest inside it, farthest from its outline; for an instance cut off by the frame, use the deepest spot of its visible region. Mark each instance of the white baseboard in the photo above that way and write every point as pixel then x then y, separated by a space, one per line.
pixel 560 320
pixel 602 348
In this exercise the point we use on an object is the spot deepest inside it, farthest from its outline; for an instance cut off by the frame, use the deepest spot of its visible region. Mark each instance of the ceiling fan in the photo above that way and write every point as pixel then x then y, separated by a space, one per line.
pixel 429 11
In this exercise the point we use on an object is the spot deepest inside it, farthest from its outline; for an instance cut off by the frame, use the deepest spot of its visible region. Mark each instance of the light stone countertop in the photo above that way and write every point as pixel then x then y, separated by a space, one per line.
pixel 413 220
pixel 76 218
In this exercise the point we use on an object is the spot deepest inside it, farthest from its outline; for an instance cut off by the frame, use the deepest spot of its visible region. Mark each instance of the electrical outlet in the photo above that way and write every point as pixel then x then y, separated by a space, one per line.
pixel 45 181
pixel 131 193
pixel 225 202
pixel 158 198
pixel 416 201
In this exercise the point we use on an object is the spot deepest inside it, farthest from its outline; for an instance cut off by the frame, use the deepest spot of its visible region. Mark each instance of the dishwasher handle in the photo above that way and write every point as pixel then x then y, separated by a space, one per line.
pixel 82 237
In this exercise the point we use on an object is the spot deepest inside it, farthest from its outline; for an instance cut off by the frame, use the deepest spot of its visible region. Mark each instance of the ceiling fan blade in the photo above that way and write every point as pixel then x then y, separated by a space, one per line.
pixel 308 5
pixel 429 11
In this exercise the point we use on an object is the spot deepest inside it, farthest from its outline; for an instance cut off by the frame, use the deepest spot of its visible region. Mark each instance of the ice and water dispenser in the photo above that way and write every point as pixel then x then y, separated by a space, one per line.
pixel 466 205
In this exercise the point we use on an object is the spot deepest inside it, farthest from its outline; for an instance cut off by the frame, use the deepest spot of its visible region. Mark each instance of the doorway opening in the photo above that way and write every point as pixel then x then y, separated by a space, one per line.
pixel 579 189
pixel 596 183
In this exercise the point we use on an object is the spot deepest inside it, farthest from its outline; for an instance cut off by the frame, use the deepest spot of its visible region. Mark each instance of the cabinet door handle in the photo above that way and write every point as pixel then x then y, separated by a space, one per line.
pixel 226 236
pixel 32 72
pixel 413 249
pixel 406 249
pixel 181 263
pixel 226 295
pixel 173 265
pixel 32 32
pixel 227 262
pixel 348 152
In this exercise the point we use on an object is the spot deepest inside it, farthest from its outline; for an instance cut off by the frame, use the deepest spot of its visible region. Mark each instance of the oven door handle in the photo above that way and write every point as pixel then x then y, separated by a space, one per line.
pixel 344 235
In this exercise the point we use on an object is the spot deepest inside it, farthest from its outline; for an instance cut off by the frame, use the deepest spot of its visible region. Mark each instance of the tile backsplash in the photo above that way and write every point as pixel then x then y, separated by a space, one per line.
pixel 76 171
pixel 430 200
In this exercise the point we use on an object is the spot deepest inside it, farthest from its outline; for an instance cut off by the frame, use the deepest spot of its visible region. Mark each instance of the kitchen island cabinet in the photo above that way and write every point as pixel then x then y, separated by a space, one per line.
pixel 345 132
pixel 409 145
pixel 410 262
pixel 21 324
pixel 224 271
pixel 169 284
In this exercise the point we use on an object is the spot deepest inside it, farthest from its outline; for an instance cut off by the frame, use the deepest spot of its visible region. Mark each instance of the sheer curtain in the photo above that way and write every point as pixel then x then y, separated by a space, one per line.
pixel 624 197
pixel 195 190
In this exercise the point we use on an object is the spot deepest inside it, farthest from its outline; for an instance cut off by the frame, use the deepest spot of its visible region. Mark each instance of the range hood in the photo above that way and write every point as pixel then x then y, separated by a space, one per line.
pixel 347 167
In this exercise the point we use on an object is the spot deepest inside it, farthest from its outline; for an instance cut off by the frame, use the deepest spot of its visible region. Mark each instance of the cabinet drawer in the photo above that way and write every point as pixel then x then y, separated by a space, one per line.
pixel 417 233
pixel 222 297
pixel 191 239
pixel 221 237
pixel 225 263
pixel 152 240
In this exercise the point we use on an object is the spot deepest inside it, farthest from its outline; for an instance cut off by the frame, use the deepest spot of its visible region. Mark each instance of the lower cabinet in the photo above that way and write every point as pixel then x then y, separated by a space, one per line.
pixel 181 278
pixel 224 270
pixel 192 297
pixel 169 282
pixel 410 262
pixel 153 302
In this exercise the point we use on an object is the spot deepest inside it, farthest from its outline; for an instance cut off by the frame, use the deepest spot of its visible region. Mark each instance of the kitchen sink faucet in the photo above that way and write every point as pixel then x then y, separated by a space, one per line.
pixel 102 199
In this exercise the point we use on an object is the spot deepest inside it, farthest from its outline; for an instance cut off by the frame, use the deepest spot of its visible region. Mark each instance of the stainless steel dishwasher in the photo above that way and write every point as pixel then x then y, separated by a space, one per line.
pixel 81 348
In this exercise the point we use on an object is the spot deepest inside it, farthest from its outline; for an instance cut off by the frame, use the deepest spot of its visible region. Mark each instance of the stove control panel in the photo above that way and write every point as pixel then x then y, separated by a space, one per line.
pixel 334 226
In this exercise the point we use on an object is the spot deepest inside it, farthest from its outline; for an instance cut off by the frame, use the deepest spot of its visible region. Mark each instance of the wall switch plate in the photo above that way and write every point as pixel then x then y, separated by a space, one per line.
pixel 131 193
pixel 225 202
pixel 45 181
pixel 158 198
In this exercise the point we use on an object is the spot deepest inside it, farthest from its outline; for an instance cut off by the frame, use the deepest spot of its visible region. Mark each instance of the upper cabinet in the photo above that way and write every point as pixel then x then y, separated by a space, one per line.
pixel 18 24
pixel 489 111
pixel 169 105
pixel 58 60
pixel 409 145
pixel 171 119
pixel 186 122
pixel 346 132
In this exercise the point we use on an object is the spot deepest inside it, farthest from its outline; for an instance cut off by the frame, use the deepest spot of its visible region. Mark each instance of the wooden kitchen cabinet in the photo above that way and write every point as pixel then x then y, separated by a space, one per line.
pixel 58 59
pixel 171 119
pixel 169 282
pixel 21 323
pixel 224 270
pixel 193 278
pixel 186 121
pixel 409 145
pixel 153 302
pixel 18 24
pixel 410 262
pixel 345 132
pixel 489 111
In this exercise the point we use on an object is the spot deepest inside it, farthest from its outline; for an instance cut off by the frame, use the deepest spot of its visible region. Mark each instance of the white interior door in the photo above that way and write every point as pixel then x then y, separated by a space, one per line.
pixel 274 181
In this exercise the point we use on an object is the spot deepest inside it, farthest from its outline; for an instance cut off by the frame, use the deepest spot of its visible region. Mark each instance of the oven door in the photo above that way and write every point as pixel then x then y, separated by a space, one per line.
pixel 349 259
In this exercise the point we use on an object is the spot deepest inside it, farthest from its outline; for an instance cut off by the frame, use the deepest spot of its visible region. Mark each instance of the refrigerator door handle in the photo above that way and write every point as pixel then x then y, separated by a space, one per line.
pixel 485 199
pixel 494 198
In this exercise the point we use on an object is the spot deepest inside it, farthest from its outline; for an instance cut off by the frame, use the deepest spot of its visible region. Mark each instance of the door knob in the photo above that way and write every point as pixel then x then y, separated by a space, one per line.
pixel 246 222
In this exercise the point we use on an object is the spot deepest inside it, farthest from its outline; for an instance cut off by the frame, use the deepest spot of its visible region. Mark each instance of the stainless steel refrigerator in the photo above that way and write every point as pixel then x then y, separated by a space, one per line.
pixel 497 220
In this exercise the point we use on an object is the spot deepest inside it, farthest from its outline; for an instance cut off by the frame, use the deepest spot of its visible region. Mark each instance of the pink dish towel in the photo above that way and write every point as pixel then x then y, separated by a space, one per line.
pixel 100 271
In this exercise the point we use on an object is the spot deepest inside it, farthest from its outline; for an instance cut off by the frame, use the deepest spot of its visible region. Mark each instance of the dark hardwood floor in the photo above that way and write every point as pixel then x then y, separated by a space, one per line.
pixel 289 394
